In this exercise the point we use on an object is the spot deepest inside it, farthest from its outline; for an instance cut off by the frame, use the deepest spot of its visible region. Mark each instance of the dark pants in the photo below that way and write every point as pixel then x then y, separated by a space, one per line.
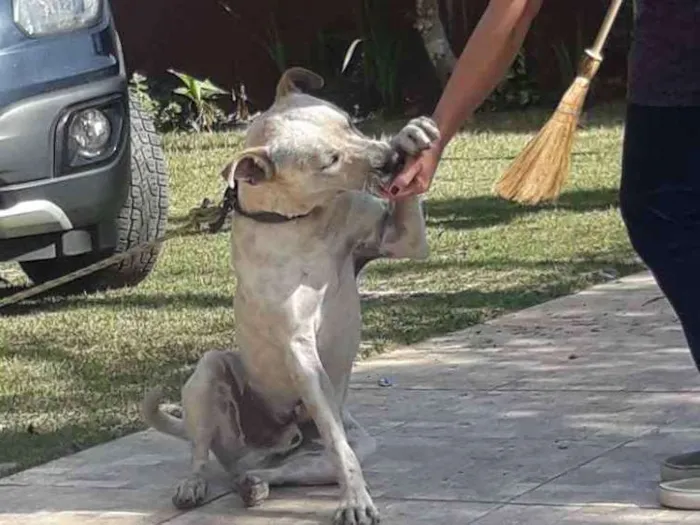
pixel 660 204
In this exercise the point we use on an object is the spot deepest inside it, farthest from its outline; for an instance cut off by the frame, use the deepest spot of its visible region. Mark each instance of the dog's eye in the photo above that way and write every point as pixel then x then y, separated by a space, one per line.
pixel 331 161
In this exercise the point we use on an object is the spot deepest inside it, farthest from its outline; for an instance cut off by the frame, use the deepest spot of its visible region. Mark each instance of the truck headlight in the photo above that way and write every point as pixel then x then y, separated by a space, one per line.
pixel 90 133
pixel 47 17
pixel 90 130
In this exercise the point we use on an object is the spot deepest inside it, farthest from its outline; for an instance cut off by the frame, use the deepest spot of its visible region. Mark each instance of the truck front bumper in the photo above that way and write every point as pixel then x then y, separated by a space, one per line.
pixel 46 211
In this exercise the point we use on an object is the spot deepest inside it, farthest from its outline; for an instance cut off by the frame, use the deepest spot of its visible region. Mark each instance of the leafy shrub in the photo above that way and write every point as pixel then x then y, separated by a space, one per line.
pixel 516 91
pixel 200 94
pixel 380 51
pixel 184 103
pixel 156 99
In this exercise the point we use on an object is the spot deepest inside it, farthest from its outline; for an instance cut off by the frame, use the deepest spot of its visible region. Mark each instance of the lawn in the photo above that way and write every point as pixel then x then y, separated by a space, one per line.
pixel 72 371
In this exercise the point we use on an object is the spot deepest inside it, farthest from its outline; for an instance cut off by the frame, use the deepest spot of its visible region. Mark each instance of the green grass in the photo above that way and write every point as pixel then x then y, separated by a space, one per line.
pixel 72 371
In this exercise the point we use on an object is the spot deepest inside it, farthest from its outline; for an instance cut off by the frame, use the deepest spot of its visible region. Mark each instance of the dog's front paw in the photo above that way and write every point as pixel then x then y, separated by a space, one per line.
pixel 252 490
pixel 356 508
pixel 190 493
pixel 419 134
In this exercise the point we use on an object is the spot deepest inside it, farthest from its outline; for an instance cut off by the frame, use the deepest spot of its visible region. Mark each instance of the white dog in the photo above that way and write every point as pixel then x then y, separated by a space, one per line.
pixel 273 412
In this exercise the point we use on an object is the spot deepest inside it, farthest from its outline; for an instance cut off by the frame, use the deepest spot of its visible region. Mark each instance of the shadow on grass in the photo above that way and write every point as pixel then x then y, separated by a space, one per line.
pixel 619 263
pixel 531 120
pixel 36 445
pixel 39 349
pixel 409 318
pixel 491 158
pixel 177 301
pixel 528 120
pixel 48 302
pixel 485 211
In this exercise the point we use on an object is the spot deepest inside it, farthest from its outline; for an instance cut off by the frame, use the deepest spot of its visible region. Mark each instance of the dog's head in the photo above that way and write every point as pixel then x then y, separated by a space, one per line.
pixel 306 150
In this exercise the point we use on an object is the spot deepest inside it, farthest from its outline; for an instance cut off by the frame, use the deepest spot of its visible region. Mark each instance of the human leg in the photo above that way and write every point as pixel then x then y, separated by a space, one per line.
pixel 660 205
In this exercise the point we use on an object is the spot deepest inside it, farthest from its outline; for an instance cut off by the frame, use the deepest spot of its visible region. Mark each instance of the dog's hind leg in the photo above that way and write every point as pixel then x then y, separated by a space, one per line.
pixel 309 465
pixel 192 490
pixel 198 397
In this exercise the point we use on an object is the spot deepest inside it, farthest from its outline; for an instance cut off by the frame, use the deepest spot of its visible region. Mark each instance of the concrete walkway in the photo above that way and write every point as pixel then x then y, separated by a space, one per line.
pixel 558 414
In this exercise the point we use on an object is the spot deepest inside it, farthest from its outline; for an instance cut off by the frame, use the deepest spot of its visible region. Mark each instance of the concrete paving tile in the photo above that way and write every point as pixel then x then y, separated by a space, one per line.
pixel 290 508
pixel 426 370
pixel 129 480
pixel 278 510
pixel 580 342
pixel 648 368
pixel 136 461
pixel 627 475
pixel 488 470
pixel 398 512
pixel 514 414
pixel 584 515
pixel 45 504
pixel 73 518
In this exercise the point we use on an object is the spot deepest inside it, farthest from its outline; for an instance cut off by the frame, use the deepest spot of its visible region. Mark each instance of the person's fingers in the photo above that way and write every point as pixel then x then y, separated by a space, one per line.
pixel 419 185
pixel 402 194
pixel 407 175
pixel 384 193
pixel 416 187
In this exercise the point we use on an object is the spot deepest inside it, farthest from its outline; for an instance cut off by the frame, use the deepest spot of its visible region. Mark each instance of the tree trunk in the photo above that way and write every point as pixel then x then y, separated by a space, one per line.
pixel 437 45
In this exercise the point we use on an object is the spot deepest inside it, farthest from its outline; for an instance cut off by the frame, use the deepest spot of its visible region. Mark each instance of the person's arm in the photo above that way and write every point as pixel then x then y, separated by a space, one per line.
pixel 488 54
pixel 483 63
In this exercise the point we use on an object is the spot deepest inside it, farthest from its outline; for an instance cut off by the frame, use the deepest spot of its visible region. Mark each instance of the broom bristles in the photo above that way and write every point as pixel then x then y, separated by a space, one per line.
pixel 539 172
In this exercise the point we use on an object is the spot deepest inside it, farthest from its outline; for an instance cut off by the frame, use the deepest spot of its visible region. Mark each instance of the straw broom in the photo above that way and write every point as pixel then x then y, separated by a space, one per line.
pixel 539 172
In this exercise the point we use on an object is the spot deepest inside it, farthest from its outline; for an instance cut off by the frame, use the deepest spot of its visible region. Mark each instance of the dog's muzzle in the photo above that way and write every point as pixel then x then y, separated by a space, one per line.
pixel 386 163
pixel 390 165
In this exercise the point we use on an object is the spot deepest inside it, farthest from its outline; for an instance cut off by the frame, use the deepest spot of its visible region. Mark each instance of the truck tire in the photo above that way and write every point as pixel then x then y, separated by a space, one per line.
pixel 143 218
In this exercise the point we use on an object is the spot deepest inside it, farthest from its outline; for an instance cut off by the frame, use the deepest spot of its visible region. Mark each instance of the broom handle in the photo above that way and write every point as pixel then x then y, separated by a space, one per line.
pixel 606 27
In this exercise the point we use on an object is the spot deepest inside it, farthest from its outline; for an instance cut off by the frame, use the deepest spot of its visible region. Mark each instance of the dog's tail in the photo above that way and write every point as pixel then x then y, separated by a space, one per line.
pixel 158 418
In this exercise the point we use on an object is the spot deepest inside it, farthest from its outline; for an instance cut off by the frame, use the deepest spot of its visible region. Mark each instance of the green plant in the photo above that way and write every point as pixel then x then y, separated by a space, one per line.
pixel 275 46
pixel 156 99
pixel 567 59
pixel 381 52
pixel 565 64
pixel 162 97
pixel 517 90
pixel 319 52
pixel 138 87
pixel 171 115
pixel 201 94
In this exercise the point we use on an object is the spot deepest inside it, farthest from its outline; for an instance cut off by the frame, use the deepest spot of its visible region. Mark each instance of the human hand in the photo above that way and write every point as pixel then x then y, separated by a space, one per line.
pixel 417 175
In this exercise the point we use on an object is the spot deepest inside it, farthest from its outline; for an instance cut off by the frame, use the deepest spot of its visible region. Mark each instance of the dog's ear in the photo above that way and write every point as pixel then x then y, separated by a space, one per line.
pixel 252 165
pixel 294 77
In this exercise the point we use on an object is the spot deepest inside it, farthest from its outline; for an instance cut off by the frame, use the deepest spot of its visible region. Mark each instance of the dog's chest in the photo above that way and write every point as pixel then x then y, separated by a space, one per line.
pixel 297 292
pixel 275 266
pixel 312 294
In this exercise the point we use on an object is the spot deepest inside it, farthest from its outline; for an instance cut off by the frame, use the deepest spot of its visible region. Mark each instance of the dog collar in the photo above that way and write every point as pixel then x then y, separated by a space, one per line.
pixel 269 217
